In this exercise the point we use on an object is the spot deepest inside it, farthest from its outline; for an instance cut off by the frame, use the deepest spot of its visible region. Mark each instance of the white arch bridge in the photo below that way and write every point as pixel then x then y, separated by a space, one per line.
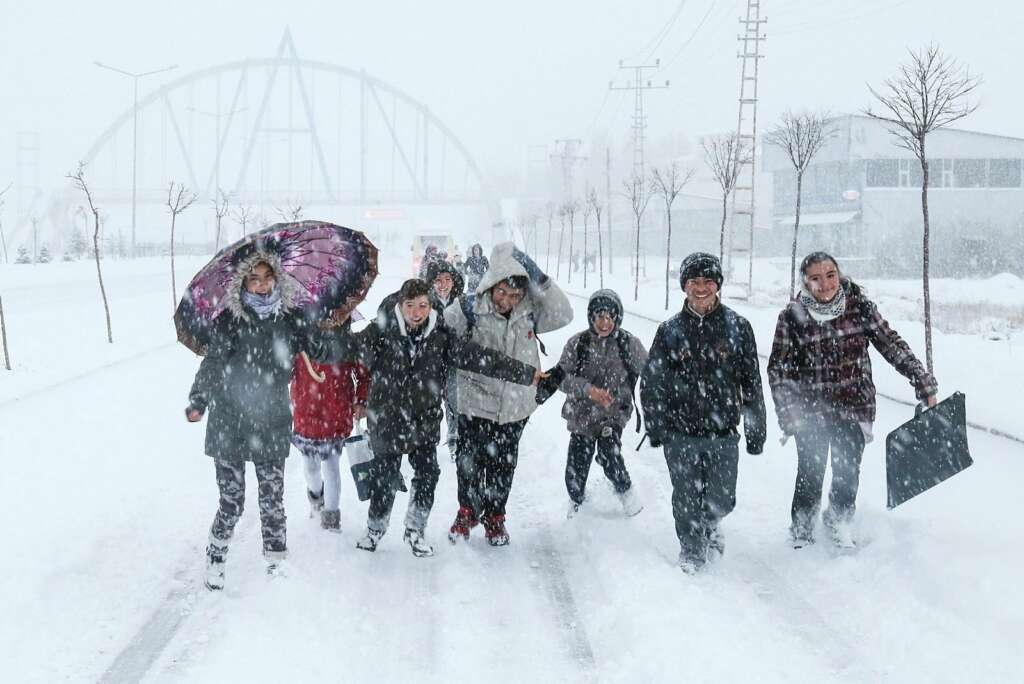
pixel 284 131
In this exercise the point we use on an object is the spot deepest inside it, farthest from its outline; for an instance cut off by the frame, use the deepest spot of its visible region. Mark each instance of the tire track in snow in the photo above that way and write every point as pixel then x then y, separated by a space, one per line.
pixel 546 559
pixel 150 641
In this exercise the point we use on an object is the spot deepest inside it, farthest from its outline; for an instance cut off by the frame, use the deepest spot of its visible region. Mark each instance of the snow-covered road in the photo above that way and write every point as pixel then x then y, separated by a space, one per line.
pixel 108 498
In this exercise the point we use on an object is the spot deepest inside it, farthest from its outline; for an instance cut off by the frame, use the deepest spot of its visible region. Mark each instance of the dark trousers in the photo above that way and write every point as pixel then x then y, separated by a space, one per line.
pixel 609 457
pixel 845 440
pixel 231 483
pixel 703 472
pixel 385 478
pixel 488 454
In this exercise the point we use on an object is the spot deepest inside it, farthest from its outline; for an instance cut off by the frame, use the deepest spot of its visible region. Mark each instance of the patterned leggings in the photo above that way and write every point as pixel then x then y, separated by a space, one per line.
pixel 231 482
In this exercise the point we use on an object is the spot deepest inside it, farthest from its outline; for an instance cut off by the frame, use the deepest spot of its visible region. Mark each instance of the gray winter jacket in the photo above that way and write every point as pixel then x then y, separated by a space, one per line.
pixel 602 368
pixel 545 308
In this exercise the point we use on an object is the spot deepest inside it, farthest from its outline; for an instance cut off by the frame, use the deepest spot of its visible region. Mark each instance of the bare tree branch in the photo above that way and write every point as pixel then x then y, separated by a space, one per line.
pixel 78 180
pixel 639 196
pixel 930 92
pixel 800 136
pixel 725 155
pixel 668 184
pixel 177 201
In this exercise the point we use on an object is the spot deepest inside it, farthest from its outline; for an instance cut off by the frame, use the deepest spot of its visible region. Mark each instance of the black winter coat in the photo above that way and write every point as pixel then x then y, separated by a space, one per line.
pixel 701 375
pixel 243 381
pixel 408 375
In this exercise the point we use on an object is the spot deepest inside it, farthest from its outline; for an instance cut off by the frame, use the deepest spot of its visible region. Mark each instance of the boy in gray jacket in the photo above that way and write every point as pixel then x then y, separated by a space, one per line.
pixel 599 368
pixel 514 302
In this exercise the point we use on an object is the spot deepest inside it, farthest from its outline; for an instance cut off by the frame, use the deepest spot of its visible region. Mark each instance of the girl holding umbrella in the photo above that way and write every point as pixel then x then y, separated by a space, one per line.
pixel 250 311
pixel 820 377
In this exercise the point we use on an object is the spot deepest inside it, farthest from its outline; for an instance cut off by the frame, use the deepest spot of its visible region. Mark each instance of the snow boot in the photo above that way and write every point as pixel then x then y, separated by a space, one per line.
pixel 494 530
pixel 330 520
pixel 841 534
pixel 801 536
pixel 275 563
pixel 369 541
pixel 316 502
pixel 691 565
pixel 630 503
pixel 214 579
pixel 465 520
pixel 716 544
pixel 573 509
pixel 420 548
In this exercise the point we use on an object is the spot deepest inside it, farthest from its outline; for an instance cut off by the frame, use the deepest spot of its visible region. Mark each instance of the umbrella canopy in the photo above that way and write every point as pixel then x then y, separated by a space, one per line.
pixel 329 268
pixel 926 450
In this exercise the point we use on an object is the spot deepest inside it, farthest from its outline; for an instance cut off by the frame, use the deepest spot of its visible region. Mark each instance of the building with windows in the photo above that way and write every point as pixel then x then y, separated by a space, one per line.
pixel 861 200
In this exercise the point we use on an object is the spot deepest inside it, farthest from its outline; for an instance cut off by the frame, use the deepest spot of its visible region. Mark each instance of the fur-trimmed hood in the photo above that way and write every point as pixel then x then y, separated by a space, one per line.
pixel 284 282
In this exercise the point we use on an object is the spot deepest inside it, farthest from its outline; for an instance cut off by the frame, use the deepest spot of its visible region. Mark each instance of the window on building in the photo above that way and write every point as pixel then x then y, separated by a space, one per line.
pixel 970 173
pixel 1004 173
pixel 947 173
pixel 935 176
pixel 882 173
pixel 906 168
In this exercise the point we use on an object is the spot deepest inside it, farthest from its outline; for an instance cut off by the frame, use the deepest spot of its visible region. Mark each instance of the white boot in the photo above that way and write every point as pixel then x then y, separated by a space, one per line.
pixel 420 547
pixel 275 563
pixel 573 509
pixel 369 541
pixel 630 503
pixel 214 578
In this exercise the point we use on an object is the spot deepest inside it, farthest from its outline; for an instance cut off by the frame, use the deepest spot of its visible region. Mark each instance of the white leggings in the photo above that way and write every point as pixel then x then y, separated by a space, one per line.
pixel 322 470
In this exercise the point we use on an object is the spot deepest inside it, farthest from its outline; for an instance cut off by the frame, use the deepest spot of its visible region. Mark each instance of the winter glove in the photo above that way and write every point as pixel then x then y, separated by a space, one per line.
pixel 547 387
pixel 530 266
pixel 655 441
pixel 755 448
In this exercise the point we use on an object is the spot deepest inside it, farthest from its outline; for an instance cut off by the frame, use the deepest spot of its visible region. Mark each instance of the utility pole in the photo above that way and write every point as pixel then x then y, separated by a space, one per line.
pixel 135 127
pixel 608 200
pixel 746 134
pixel 568 158
pixel 638 85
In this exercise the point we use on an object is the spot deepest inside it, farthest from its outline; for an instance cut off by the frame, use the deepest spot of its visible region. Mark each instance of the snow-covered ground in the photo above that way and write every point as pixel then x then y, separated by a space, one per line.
pixel 108 498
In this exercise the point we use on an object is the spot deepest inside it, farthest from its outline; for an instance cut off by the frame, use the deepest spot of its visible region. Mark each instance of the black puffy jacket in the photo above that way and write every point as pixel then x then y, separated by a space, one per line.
pixel 408 374
pixel 701 376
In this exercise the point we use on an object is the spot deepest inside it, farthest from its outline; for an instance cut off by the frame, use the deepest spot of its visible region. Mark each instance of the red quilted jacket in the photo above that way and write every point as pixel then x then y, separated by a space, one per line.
pixel 323 410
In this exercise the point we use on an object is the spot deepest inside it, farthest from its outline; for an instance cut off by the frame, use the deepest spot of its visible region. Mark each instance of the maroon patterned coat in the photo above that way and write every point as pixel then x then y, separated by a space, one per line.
pixel 816 366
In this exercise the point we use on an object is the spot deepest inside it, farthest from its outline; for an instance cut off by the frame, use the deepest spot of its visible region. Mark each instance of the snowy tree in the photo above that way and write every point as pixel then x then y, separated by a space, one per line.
pixel 23 256
pixel 243 216
pixel 44 255
pixel 801 136
pixel 725 155
pixel 179 198
pixel 291 212
pixel 571 207
pixel 77 245
pixel 638 195
pixel 220 210
pixel 3 335
pixel 595 207
pixel 549 210
pixel 930 92
pixel 3 239
pixel 78 179
pixel 668 184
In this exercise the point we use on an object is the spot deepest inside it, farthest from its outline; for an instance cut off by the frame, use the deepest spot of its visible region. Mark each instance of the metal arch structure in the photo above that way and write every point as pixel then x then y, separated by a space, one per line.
pixel 351 151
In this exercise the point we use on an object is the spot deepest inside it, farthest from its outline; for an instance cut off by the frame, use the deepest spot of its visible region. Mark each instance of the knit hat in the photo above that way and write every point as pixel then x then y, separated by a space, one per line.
pixel 605 301
pixel 700 265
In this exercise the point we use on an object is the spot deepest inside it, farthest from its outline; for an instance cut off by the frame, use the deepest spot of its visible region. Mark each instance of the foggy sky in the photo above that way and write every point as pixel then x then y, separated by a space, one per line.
pixel 502 76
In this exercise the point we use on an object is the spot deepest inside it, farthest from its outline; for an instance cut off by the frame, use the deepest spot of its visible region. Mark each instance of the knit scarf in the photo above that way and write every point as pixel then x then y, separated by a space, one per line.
pixel 264 305
pixel 823 311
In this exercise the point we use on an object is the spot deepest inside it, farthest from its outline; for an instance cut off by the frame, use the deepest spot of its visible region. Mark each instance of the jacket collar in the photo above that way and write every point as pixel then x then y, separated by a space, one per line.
pixel 431 322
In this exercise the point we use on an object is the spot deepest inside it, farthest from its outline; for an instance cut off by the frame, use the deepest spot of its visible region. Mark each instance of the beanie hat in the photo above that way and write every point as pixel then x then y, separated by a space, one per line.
pixel 605 301
pixel 701 265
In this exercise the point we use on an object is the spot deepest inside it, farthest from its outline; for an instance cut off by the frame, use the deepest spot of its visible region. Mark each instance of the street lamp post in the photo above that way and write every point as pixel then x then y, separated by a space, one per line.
pixel 135 126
